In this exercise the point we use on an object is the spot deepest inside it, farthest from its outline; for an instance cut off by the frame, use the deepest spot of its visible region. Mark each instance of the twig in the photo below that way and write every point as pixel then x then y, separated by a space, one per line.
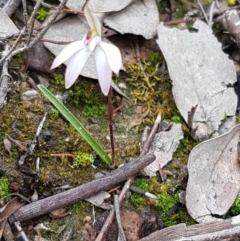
pixel 129 182
pixel 30 23
pixel 11 6
pixel 13 52
pixel 22 147
pixel 20 230
pixel 222 230
pixel 25 15
pixel 110 124
pixel 9 53
pixel 111 214
pixel 7 232
pixel 203 11
pixel 211 12
pixel 148 142
pixel 5 78
pixel 84 191
pixel 34 142
pixel 121 234
pixel 143 192
pixel 34 12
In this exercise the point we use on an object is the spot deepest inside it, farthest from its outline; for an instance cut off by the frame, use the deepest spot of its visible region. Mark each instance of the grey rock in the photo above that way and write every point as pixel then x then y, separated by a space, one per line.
pixel 7 26
pixel 38 58
pixel 107 5
pixel 139 18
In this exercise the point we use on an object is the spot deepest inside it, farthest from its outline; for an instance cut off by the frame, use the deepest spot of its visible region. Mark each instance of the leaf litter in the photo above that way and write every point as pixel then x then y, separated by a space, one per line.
pixel 203 78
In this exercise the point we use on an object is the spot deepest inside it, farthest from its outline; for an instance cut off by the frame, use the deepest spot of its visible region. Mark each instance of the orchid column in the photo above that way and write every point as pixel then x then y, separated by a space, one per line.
pixel 107 58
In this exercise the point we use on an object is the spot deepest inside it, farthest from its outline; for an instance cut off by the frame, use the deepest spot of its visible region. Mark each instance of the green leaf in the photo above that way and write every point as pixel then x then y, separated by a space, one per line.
pixel 76 124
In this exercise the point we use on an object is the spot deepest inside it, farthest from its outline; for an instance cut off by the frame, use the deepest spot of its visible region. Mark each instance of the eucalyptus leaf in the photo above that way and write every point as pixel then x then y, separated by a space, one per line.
pixel 214 176
pixel 76 124
pixel 202 77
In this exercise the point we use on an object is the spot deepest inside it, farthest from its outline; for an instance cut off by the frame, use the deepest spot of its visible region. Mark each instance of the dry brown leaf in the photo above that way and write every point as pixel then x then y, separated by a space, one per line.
pixel 58 213
pixel 10 208
pixel 214 176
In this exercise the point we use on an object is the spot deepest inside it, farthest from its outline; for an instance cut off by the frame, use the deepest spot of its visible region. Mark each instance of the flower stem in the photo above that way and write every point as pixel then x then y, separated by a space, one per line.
pixel 110 123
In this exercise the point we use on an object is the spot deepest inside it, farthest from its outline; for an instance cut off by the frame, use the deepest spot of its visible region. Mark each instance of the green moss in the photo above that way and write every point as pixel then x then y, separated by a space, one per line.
pixel 137 199
pixel 89 98
pixel 235 209
pixel 232 2
pixel 83 94
pixel 93 106
pixel 168 202
pixel 53 113
pixel 82 207
pixel 4 188
pixel 58 82
pixel 42 14
pixel 141 183
pixel 82 160
pixel 238 118
pixel 184 148
pixel 19 58
pixel 132 150
pixel 151 90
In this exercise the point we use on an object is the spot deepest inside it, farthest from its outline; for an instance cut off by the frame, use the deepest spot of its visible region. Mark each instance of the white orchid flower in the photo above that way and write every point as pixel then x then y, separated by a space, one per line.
pixel 107 56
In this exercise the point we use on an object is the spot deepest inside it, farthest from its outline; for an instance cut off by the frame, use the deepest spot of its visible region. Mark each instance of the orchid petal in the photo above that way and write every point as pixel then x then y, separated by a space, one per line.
pixel 93 21
pixel 75 66
pixel 94 42
pixel 113 56
pixel 67 52
pixel 104 71
pixel 77 62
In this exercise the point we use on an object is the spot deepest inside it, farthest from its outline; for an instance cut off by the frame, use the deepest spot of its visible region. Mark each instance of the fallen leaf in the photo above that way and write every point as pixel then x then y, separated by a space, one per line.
pixel 201 75
pixel 163 146
pixel 214 176
pixel 58 213
pixel 98 199
pixel 10 208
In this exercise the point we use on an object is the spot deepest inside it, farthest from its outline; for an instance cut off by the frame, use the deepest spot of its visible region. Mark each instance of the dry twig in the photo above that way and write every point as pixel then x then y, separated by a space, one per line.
pixel 129 182
pixel 68 197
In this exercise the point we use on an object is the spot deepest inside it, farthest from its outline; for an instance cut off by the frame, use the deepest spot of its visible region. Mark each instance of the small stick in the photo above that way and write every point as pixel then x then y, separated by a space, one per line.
pixel 129 182
pixel 111 214
pixel 40 207
pixel 13 52
pixel 143 192
pixel 25 15
pixel 121 234
pixel 7 232
pixel 20 230
pixel 148 142
pixel 34 142
pixel 203 11
pixel 63 155
pixel 22 147
pixel 110 124
pixel 31 149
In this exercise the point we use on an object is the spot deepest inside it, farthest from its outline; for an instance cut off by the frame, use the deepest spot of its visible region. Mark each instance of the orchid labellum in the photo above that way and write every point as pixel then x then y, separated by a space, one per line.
pixel 107 56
